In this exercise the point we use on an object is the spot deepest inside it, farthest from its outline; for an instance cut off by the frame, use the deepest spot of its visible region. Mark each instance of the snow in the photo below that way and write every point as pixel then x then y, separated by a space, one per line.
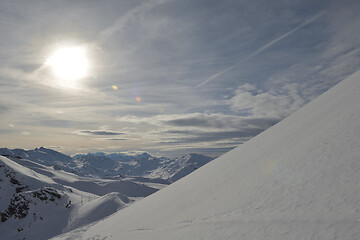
pixel 179 167
pixel 87 184
pixel 102 165
pixel 25 172
pixel 97 209
pixel 32 205
pixel 105 165
pixel 297 180
pixel 43 156
pixel 39 202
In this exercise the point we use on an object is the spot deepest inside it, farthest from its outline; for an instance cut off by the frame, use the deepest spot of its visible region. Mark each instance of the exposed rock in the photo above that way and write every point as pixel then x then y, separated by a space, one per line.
pixel 19 204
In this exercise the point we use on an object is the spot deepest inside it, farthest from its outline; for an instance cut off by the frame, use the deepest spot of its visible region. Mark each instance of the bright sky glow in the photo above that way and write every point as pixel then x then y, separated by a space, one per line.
pixel 69 63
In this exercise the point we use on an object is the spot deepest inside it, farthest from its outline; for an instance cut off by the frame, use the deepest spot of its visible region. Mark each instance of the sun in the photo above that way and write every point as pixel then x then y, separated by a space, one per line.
pixel 69 63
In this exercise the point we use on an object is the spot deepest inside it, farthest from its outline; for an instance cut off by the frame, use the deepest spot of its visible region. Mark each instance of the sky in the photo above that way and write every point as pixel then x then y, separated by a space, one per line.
pixel 168 77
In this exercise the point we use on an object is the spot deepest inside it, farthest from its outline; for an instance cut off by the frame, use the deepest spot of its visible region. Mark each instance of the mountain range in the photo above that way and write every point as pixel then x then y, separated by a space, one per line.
pixel 102 165
pixel 44 193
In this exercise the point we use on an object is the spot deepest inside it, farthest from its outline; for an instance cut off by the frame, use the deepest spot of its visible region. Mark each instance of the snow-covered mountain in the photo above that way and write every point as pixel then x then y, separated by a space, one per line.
pixel 39 202
pixel 42 195
pixel 297 180
pixel 178 168
pixel 44 156
pixel 144 165
pixel 102 165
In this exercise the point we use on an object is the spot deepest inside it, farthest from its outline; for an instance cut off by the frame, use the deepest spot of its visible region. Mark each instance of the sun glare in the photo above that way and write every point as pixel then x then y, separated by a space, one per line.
pixel 69 63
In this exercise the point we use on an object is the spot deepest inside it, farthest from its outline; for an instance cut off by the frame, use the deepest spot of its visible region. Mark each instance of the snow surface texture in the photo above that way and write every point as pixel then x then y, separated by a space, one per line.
pixel 297 180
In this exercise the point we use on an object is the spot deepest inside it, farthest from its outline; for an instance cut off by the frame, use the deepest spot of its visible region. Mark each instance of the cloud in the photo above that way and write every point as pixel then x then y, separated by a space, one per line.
pixel 276 103
pixel 16 73
pixel 205 121
pixel 233 137
pixel 4 108
pixel 132 14
pixel 344 25
pixel 175 152
pixel 55 123
pixel 116 139
pixel 196 129
pixel 99 133
pixel 219 121
pixel 200 122
pixel 6 131
pixel 263 48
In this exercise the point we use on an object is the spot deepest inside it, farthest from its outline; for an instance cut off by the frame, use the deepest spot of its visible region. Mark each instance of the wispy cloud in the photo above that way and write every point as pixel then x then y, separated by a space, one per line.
pixel 213 138
pixel 3 108
pixel 218 121
pixel 123 21
pixel 99 133
pixel 116 139
pixel 276 103
pixel 195 130
pixel 261 49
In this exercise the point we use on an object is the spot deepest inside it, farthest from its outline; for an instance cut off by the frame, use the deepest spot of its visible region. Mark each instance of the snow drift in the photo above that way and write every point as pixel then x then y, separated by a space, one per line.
pixel 297 180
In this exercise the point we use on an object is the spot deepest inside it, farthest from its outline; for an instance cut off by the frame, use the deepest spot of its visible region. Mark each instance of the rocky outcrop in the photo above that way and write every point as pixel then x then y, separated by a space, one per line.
pixel 19 204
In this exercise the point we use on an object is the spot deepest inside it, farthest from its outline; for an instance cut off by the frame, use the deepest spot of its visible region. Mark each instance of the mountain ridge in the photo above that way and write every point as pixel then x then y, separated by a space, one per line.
pixel 104 165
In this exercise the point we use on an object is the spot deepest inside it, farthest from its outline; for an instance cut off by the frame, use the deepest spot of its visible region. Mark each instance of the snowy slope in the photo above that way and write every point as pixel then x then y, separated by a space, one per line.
pixel 297 180
pixel 30 201
pixel 91 185
pixel 44 156
pixel 178 168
